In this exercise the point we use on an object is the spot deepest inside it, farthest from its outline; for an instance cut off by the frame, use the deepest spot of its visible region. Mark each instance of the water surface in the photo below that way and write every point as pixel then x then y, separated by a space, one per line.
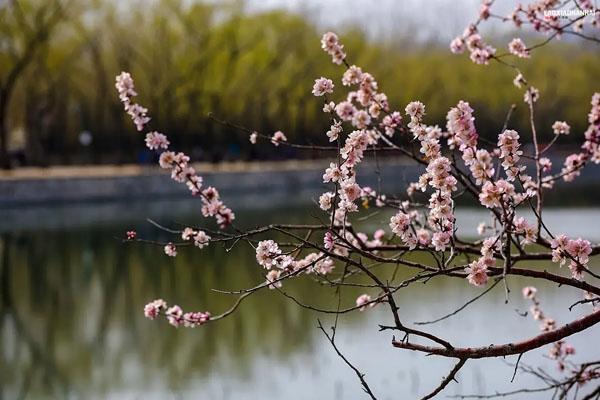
pixel 72 323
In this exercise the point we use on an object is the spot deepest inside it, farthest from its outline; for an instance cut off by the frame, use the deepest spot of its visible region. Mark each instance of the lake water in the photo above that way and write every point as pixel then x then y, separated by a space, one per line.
pixel 71 321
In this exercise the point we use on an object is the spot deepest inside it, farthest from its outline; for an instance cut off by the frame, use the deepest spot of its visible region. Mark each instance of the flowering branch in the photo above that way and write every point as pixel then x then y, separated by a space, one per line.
pixel 455 162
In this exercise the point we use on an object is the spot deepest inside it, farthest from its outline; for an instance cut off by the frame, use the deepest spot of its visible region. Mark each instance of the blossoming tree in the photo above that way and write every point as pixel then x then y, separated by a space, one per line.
pixel 500 176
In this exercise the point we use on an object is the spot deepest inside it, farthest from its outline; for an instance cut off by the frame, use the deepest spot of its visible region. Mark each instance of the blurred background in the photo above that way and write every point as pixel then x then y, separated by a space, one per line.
pixel 72 293
pixel 252 62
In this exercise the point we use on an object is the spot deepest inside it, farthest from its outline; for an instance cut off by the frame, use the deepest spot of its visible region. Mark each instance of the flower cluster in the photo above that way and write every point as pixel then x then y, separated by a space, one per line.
pixel 170 250
pixel 461 127
pixel 330 43
pixel 391 122
pixel 559 350
pixel 400 225
pixel 531 95
pixel 200 238
pixel 477 271
pixel 481 52
pixel 270 257
pixel 178 163
pixel 541 15
pixel 518 48
pixel 493 194
pixel 508 143
pixel 175 314
pixel 364 121
pixel 591 146
pixel 561 128
pixel 441 206
pixel 322 86
pixel 278 137
pixel 267 253
pixel 126 89
pixel 525 229
pixel 156 141
pixel 577 251
pixel 363 301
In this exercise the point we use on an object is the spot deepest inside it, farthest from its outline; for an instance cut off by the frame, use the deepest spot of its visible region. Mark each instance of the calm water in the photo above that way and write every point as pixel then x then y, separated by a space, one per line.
pixel 72 324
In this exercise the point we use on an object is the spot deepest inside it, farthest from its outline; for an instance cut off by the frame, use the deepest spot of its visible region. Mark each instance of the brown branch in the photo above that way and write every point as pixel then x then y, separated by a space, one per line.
pixel 508 348
pixel 360 375
pixel 447 379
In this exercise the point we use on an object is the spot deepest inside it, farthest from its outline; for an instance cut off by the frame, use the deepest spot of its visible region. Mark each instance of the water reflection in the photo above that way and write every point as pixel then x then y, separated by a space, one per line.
pixel 72 327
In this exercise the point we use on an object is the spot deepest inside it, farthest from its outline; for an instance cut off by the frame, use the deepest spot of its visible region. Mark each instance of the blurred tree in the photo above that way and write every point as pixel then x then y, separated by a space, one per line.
pixel 190 58
pixel 26 25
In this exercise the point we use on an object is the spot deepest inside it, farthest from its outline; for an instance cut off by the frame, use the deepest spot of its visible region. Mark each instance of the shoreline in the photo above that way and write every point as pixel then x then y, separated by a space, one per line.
pixel 59 185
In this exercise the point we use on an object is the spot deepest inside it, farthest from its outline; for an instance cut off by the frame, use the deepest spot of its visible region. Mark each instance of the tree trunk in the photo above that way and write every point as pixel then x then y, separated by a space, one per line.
pixel 4 159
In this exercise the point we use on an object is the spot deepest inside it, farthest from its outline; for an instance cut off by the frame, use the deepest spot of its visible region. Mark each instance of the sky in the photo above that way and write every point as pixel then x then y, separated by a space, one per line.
pixel 384 19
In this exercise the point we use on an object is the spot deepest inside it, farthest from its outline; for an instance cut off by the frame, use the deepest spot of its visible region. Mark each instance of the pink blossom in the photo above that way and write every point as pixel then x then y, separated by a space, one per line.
pixel 345 110
pixel 350 190
pixel 545 164
pixel 522 227
pixel 125 87
pixel 188 233
pixel 461 127
pixel 322 86
pixel 155 141
pixel 477 272
pixel 331 45
pixel 391 122
pixel 529 292
pixel 573 164
pixel 440 240
pixel 201 239
pixel 424 237
pixel 561 128
pixel 324 266
pixel 267 252
pixel 518 48
pixel 166 159
pixel 531 95
pixel 457 45
pixel 272 279
pixel 171 250
pixel 352 76
pixel 399 223
pixel 492 194
pixel 253 136
pixel 482 55
pixel 334 131
pixel 131 235
pixel 363 301
pixel 278 137
pixel 519 80
pixel 328 240
pixel 361 119
pixel 329 107
pixel 194 319
pixel 332 173
pixel 481 166
pixel 153 309
pixel 325 201
pixel 508 143
pixel 176 162
pixel 548 325
pixel 175 316
pixel 379 234
pixel 415 109
pixel 484 10
pixel 536 313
